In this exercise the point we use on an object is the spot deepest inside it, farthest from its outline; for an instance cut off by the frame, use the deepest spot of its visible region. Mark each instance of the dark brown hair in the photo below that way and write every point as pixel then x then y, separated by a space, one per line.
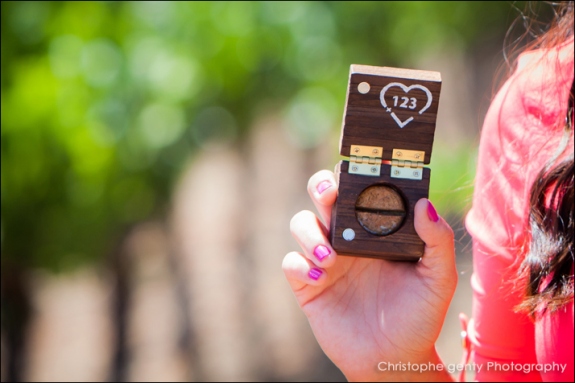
pixel 547 268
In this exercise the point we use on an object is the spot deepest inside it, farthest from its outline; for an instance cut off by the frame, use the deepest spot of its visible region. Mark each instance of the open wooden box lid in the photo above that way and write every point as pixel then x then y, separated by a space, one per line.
pixel 390 108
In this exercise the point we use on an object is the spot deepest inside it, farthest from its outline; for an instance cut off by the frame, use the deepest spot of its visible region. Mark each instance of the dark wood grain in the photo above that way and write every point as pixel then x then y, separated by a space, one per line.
pixel 367 122
pixel 404 244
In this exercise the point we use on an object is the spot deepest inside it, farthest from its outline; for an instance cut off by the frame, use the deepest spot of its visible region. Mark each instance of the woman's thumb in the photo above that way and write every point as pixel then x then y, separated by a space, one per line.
pixel 439 254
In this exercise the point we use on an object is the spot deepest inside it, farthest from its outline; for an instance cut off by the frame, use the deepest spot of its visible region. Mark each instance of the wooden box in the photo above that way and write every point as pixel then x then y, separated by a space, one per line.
pixel 387 131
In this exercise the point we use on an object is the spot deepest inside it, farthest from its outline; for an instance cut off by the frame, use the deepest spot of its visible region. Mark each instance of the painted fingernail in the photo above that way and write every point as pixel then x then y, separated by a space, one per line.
pixel 321 252
pixel 431 212
pixel 315 273
pixel 323 186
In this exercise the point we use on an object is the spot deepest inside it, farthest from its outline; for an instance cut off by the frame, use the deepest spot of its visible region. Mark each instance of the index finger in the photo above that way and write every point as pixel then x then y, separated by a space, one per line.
pixel 322 188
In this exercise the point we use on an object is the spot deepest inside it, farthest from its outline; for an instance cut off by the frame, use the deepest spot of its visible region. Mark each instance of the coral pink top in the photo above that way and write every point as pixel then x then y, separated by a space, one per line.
pixel 522 131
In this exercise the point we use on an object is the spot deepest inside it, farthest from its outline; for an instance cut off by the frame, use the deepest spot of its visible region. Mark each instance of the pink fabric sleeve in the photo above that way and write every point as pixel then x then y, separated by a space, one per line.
pixel 520 133
pixel 499 336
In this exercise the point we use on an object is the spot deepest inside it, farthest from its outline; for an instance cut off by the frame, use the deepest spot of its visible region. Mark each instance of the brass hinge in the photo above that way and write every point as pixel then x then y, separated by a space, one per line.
pixel 407 164
pixel 365 160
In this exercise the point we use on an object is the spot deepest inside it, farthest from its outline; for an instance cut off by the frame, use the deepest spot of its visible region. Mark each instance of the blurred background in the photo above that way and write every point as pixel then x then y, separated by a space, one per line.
pixel 153 154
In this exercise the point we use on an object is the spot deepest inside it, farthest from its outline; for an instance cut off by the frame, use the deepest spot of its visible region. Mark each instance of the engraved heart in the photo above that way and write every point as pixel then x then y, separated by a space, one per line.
pixel 408 103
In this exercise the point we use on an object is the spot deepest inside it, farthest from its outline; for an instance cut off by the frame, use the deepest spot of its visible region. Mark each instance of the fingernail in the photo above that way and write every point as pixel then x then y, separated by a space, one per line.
pixel 323 186
pixel 315 273
pixel 431 212
pixel 321 252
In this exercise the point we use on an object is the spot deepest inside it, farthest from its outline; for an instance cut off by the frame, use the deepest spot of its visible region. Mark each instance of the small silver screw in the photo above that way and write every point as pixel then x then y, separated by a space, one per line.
pixel 354 168
pixel 399 154
pixel 396 172
pixel 416 173
pixel 373 169
pixel 417 155
pixel 356 150
pixel 374 151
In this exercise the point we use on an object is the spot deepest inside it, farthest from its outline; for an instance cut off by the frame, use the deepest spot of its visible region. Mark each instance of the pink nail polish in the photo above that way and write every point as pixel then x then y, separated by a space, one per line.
pixel 431 212
pixel 323 186
pixel 315 273
pixel 321 252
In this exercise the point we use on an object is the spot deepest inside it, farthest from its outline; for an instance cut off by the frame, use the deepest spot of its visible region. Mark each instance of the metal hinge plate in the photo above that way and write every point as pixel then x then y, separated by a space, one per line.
pixel 407 164
pixel 365 160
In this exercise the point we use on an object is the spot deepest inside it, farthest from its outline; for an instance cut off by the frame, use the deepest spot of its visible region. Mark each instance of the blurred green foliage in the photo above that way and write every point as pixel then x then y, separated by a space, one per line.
pixel 104 102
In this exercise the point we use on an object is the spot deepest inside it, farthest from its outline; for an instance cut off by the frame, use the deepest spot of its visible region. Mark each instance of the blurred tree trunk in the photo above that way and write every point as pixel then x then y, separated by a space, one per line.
pixel 158 343
pixel 16 311
pixel 120 268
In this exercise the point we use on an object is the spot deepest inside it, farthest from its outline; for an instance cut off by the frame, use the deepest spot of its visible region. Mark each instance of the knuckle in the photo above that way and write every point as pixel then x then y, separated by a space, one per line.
pixel 287 261
pixel 300 219
pixel 449 233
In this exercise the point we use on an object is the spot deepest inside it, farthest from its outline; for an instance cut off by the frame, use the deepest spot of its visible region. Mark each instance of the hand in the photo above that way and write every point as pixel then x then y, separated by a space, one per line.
pixel 365 311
